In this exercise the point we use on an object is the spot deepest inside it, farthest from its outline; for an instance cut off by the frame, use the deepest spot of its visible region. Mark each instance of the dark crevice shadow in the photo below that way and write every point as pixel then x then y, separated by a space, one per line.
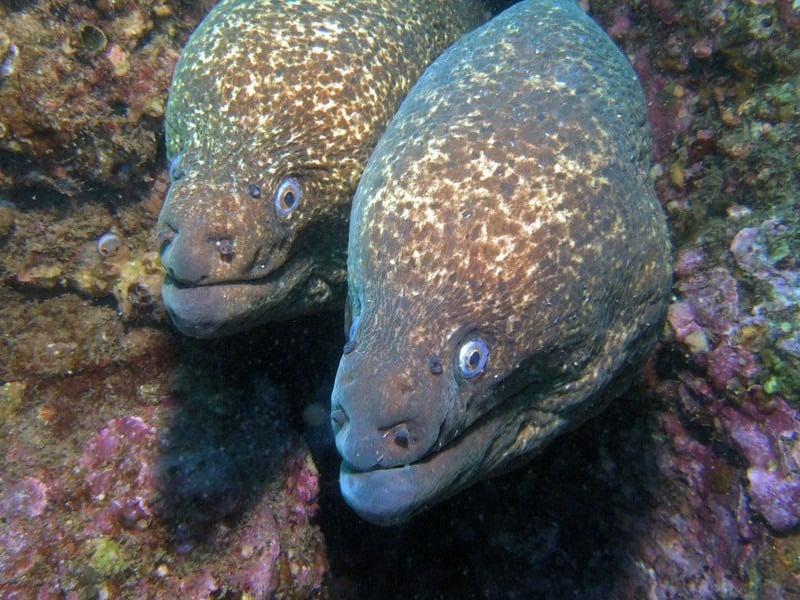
pixel 233 412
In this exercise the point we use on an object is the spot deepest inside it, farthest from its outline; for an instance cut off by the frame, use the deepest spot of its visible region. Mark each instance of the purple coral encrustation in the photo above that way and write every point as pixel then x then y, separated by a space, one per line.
pixel 770 442
pixel 24 499
pixel 119 472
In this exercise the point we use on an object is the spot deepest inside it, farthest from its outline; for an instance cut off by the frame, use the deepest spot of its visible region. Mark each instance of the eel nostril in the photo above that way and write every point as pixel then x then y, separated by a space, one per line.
pixel 338 419
pixel 226 249
pixel 165 237
pixel 401 436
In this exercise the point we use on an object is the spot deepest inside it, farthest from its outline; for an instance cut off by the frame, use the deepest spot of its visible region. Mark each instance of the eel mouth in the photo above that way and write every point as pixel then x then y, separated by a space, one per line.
pixel 219 309
pixel 392 495
pixel 508 435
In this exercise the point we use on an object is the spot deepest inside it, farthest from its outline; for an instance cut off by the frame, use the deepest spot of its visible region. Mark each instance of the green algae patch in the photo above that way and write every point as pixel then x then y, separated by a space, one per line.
pixel 782 377
pixel 11 396
pixel 107 559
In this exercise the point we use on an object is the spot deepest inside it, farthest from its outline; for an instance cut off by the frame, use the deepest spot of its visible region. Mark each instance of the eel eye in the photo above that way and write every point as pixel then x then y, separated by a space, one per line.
pixel 176 170
pixel 472 357
pixel 287 196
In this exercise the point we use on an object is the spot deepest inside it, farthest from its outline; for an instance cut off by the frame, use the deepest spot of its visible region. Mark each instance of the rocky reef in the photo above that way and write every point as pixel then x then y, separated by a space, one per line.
pixel 137 462
pixel 724 84
pixel 83 87
pixel 153 475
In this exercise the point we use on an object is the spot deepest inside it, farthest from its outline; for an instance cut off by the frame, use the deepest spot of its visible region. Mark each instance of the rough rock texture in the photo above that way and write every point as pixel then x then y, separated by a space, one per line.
pixel 83 89
pixel 155 475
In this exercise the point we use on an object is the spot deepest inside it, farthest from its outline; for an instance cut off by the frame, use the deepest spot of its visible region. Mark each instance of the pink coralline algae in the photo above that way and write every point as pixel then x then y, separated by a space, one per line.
pixel 726 332
pixel 25 499
pixel 156 507
pixel 687 330
pixel 688 261
pixel 756 251
pixel 727 390
pixel 700 543
pixel 732 430
pixel 714 298
pixel 119 465
pixel 770 442
pixel 776 498
pixel 23 505
pixel 303 485
pixel 765 254
pixel 260 555
pixel 759 426
pixel 749 249
pixel 728 363
pixel 113 486
pixel 20 503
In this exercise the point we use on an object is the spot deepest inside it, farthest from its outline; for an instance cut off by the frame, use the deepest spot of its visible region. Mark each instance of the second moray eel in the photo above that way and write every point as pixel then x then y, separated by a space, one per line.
pixel 274 109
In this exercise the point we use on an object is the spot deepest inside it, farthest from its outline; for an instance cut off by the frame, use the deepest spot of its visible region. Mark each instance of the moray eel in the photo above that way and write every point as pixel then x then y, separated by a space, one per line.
pixel 274 108
pixel 509 262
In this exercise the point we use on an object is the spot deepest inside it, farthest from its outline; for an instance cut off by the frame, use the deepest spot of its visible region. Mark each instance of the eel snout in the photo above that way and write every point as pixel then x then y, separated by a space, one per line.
pixel 383 420
pixel 221 242
pixel 224 260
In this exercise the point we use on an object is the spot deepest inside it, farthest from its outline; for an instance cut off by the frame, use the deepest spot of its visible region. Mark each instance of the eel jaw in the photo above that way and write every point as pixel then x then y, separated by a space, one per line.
pixel 509 435
pixel 390 496
pixel 220 309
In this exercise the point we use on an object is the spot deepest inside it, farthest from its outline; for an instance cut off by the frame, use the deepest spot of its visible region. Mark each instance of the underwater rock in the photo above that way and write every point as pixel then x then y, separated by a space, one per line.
pixel 769 439
pixel 26 499
pixel 508 261
pixel 758 251
pixel 119 471
pixel 75 85
pixel 7 218
pixel 202 484
pixel 714 297
pixel 153 505
pixel 9 52
pixel 776 497
pixel 722 95
pixel 110 269
pixel 697 539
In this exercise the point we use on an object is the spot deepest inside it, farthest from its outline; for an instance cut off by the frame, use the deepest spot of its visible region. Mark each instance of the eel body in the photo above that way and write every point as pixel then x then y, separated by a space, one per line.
pixel 508 263
pixel 274 108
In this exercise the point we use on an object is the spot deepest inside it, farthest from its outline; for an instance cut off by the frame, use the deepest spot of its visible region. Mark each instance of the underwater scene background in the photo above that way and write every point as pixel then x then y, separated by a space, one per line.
pixel 137 462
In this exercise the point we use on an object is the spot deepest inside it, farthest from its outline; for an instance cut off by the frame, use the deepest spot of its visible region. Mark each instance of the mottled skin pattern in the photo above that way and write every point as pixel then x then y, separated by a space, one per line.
pixel 267 92
pixel 507 206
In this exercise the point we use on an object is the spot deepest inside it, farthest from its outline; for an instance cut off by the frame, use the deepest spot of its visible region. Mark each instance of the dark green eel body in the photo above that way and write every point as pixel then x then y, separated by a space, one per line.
pixel 509 263
pixel 274 108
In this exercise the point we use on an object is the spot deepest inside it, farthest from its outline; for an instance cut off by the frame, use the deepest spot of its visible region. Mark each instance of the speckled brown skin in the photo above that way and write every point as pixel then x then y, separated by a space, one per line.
pixel 507 211
pixel 270 93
